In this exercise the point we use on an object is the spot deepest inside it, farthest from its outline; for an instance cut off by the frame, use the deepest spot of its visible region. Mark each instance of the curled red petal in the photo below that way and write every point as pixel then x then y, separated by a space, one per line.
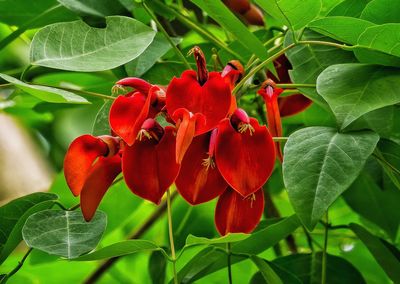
pixel 293 104
pixel 237 214
pixel 127 115
pixel 149 167
pixel 79 158
pixel 254 16
pixel 213 99
pixel 199 179
pixel 138 84
pixel 245 160
pixel 99 179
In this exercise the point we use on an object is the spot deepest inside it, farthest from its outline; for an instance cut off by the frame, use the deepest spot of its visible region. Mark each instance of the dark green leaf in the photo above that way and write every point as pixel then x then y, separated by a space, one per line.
pixel 64 233
pixel 119 249
pixel 345 29
pixel 47 94
pixel 223 16
pixel 309 61
pixel 157 267
pixel 382 11
pixel 389 151
pixel 266 270
pixel 98 8
pixel 320 164
pixel 13 216
pixel 349 8
pixel 78 47
pixel 382 254
pixel 352 90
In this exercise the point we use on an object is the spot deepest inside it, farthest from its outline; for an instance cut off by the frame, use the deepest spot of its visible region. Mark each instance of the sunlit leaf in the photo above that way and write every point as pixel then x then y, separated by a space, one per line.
pixel 382 11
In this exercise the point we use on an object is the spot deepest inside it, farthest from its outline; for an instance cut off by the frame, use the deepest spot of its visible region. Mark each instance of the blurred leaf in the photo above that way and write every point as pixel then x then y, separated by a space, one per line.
pixel 119 249
pixel 349 8
pixel 320 164
pixel 229 238
pixel 157 267
pixel 285 276
pixel 78 47
pixel 64 233
pixel 13 216
pixel 267 272
pixel 375 204
pixel 382 11
pixel 350 89
pixel 101 125
pixel 345 29
pixel 383 255
pixel 98 8
pixel 308 268
pixel 48 94
pixel 309 61
pixel 224 17
pixel 150 56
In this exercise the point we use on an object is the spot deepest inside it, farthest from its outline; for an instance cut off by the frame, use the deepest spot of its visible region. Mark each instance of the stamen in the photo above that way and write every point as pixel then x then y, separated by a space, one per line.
pixel 118 88
pixel 208 162
pixel 243 127
pixel 252 199
pixel 143 133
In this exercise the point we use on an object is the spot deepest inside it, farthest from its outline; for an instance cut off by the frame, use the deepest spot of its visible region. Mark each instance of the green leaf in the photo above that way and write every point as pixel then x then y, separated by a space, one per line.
pixel 308 268
pixel 78 47
pixel 352 90
pixel 320 164
pixel 157 267
pixel 345 29
pixel 292 12
pixel 47 94
pixel 285 275
pixel 389 151
pixel 223 16
pixel 382 11
pixel 308 61
pixel 267 272
pixel 349 8
pixel 97 8
pixel 229 238
pixel 163 72
pixel 381 252
pixel 150 56
pixel 120 249
pixel 63 233
pixel 379 45
pixel 13 216
pixel 101 124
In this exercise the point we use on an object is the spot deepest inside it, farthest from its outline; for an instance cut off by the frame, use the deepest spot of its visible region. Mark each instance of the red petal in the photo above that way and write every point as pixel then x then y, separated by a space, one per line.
pixel 79 158
pixel 238 6
pixel 212 99
pixel 127 115
pixel 150 168
pixel 195 182
pixel 254 16
pixel 293 104
pixel 245 161
pixel 100 178
pixel 237 214
pixel 136 83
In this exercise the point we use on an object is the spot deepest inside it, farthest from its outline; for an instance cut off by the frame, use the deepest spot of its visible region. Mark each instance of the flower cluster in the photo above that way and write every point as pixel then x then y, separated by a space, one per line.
pixel 210 147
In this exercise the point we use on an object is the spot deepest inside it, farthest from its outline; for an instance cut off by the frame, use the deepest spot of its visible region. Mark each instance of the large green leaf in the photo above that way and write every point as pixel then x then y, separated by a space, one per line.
pixel 308 268
pixel 382 11
pixel 382 252
pixel 223 16
pixel 230 238
pixel 47 94
pixel 78 47
pixel 97 8
pixel 119 249
pixel 63 233
pixel 352 90
pixel 308 61
pixel 296 13
pixel 349 8
pixel 13 216
pixel 345 29
pixel 320 164
pixel 266 270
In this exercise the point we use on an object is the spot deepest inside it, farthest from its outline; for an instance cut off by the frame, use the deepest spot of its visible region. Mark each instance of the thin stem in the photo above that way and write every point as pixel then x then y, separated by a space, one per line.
pixel 161 28
pixel 327 43
pixel 6 85
pixel 23 74
pixel 280 139
pixel 72 208
pixel 18 267
pixel 87 93
pixel 309 239
pixel 58 203
pixel 268 42
pixel 292 86
pixel 229 254
pixel 171 235
pixel 324 255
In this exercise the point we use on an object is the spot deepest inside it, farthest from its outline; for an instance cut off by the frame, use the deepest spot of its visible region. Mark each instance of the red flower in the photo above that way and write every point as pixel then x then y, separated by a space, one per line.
pixel 237 214
pixel 149 165
pixel 244 153
pixel 90 166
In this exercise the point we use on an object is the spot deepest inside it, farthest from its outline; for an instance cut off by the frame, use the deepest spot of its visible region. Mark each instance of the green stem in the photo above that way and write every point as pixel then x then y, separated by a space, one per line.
pixel 327 43
pixel 229 254
pixel 292 86
pixel 87 93
pixel 171 236
pixel 280 139
pixel 324 255
pixel 18 267
pixel 161 28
